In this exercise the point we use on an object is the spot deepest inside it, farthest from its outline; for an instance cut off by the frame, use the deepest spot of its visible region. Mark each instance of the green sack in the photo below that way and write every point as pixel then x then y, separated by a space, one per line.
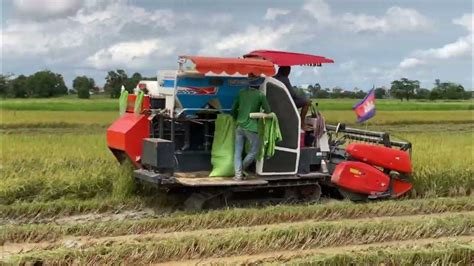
pixel 138 102
pixel 123 102
pixel 222 156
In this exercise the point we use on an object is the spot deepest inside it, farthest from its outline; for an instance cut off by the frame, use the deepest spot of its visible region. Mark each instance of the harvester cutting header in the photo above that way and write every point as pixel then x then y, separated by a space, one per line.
pixel 170 136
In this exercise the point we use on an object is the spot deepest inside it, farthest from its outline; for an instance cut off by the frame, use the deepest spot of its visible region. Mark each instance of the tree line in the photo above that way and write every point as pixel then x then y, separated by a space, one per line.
pixel 399 89
pixel 45 83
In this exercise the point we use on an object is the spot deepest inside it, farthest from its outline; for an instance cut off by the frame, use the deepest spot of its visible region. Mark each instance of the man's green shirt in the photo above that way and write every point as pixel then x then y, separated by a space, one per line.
pixel 249 101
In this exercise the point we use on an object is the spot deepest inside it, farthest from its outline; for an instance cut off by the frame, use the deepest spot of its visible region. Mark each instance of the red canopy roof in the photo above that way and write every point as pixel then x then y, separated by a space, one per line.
pixel 289 59
pixel 230 66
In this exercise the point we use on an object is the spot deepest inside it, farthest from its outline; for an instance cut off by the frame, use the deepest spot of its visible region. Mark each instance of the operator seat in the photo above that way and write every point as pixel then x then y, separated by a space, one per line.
pixel 287 152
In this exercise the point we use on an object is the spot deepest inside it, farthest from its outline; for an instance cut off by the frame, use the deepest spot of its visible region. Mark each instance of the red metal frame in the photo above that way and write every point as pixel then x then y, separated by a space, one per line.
pixel 282 58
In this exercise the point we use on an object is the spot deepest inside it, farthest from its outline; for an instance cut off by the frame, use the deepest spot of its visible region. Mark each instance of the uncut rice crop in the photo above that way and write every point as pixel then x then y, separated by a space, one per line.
pixel 55 119
pixel 45 167
pixel 251 241
pixel 58 119
pixel 443 163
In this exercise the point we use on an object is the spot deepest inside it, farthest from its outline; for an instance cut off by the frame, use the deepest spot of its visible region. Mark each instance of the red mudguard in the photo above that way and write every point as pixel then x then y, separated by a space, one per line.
pixel 387 158
pixel 400 187
pixel 125 135
pixel 360 177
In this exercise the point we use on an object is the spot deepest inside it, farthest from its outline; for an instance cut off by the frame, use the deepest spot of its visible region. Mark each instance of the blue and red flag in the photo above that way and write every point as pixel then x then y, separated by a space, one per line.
pixel 365 109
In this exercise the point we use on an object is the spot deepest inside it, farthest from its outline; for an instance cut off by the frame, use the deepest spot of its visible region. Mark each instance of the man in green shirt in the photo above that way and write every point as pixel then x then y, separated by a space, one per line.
pixel 249 100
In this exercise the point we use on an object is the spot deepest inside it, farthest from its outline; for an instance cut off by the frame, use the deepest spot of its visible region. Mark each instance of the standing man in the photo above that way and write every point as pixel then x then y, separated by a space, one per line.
pixel 249 100
pixel 300 101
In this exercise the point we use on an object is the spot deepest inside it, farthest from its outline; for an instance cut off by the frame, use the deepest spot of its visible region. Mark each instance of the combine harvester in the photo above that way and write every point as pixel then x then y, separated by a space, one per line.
pixel 169 141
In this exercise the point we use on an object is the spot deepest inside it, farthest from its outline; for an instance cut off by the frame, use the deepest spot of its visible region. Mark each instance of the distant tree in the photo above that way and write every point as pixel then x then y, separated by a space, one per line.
pixel 83 85
pixel 404 88
pixel 133 81
pixel 336 92
pixel 323 94
pixel 360 94
pixel 314 90
pixel 300 91
pixel 4 80
pixel 114 82
pixel 448 90
pixel 454 91
pixel 422 93
pixel 44 84
pixel 17 87
pixel 379 93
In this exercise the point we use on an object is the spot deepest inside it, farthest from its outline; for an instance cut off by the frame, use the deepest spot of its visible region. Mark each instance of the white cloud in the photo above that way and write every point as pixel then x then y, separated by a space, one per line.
pixel 129 53
pixel 348 65
pixel 252 38
pixel 410 62
pixel 461 48
pixel 467 21
pixel 320 10
pixel 142 36
pixel 395 19
pixel 273 13
pixel 46 8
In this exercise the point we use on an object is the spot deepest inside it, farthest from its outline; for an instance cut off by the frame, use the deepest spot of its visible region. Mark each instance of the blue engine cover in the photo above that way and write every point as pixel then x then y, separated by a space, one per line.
pixel 195 93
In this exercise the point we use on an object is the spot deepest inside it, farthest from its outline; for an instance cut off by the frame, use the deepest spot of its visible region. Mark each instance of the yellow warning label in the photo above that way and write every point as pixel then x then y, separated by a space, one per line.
pixel 354 171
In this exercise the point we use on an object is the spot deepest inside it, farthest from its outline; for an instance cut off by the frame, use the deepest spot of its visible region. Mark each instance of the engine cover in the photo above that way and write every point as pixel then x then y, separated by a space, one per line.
pixel 387 158
pixel 360 177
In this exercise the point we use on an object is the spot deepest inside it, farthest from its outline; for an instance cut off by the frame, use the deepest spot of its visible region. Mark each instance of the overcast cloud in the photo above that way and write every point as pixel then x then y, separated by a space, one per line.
pixel 372 42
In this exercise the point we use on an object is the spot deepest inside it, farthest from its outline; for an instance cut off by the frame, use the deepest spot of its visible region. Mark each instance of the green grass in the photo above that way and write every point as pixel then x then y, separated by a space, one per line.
pixel 237 241
pixel 231 218
pixel 106 104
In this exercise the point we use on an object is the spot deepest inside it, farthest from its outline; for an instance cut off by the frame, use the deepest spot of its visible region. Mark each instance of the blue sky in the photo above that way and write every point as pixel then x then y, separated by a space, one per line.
pixel 372 42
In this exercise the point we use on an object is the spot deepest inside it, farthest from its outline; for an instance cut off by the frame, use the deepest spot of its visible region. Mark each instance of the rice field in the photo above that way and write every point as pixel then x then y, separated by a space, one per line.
pixel 65 200
pixel 102 103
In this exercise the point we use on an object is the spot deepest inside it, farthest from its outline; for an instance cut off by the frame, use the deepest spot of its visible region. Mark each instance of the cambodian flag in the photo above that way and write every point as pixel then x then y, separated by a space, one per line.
pixel 365 109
